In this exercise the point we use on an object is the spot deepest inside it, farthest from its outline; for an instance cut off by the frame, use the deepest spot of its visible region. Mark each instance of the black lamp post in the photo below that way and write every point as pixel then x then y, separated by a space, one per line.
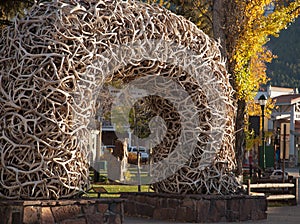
pixel 262 102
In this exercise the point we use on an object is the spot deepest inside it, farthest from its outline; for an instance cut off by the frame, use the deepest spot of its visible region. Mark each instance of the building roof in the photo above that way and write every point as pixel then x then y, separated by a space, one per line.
pixel 274 91
pixel 287 99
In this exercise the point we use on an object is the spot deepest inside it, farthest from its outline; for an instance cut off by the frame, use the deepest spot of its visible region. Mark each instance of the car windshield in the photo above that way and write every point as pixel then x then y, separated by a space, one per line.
pixel 279 173
pixel 141 149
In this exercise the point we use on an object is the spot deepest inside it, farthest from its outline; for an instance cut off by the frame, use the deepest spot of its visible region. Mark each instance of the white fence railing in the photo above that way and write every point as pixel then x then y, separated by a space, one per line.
pixel 275 191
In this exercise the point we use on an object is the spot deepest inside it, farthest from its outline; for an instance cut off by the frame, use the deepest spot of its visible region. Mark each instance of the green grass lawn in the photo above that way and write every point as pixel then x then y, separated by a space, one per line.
pixel 122 188
pixel 114 189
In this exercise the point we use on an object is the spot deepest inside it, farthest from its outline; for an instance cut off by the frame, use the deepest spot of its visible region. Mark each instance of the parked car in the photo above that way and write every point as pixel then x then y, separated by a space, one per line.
pixel 142 151
pixel 277 175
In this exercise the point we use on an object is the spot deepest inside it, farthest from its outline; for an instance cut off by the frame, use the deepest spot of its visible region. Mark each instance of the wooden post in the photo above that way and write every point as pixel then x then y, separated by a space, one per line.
pixel 284 150
pixel 295 190
pixel 248 187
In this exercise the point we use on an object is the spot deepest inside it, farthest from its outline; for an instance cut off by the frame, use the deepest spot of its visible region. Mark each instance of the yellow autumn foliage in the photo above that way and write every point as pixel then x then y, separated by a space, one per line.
pixel 250 50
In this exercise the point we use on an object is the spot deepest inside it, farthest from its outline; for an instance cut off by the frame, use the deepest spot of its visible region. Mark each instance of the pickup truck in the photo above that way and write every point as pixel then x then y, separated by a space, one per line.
pixel 143 152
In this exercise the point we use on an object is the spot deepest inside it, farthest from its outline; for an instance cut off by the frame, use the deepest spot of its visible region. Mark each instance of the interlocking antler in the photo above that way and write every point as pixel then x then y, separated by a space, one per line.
pixel 46 95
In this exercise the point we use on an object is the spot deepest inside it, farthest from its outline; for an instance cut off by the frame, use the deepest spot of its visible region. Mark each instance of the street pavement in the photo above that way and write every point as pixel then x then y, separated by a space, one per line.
pixel 276 215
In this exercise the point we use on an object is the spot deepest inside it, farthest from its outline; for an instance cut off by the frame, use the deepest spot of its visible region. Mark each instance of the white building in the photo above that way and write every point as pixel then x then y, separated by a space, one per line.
pixel 286 113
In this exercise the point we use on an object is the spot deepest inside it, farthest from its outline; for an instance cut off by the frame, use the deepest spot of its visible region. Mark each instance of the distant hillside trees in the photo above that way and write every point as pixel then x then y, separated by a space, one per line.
pixel 285 69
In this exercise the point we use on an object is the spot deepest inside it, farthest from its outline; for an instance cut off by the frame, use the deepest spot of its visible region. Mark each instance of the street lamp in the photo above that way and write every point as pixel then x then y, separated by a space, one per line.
pixel 262 102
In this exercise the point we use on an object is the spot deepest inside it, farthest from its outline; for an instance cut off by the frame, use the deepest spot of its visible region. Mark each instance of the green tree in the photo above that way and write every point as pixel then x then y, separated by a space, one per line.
pixel 285 69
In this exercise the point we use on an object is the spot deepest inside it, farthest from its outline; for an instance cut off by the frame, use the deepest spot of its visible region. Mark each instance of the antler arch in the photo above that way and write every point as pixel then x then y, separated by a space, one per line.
pixel 46 92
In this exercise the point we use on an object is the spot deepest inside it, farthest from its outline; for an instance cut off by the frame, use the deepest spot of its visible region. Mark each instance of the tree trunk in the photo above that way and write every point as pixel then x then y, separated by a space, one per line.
pixel 219 24
pixel 240 135
pixel 225 28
